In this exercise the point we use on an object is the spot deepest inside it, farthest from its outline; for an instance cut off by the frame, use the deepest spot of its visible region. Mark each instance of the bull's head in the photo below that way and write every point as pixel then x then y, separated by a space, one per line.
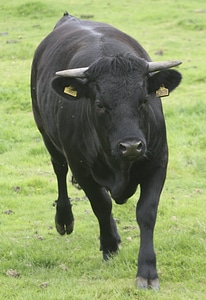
pixel 123 98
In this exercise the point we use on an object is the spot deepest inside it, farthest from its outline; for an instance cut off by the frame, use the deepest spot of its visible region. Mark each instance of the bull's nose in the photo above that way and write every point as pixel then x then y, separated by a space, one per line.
pixel 131 149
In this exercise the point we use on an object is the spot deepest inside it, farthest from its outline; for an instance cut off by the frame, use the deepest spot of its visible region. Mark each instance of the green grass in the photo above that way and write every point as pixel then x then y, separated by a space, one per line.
pixel 48 266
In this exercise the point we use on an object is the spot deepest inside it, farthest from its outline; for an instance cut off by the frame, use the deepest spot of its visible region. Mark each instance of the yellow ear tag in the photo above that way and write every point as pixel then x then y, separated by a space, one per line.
pixel 70 91
pixel 162 92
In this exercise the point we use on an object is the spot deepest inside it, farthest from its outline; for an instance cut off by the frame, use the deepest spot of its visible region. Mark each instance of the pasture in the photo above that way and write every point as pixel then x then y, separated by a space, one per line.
pixel 37 263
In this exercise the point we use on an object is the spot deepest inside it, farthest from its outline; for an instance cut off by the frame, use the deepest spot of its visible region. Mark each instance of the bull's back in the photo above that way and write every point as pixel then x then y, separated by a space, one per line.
pixel 77 43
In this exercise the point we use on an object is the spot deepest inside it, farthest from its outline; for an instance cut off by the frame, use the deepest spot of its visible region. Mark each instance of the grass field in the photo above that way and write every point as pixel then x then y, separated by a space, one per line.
pixel 37 263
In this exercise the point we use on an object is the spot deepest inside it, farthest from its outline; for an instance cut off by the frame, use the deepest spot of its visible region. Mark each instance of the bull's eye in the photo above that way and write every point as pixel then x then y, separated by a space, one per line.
pixel 146 99
pixel 144 105
pixel 99 105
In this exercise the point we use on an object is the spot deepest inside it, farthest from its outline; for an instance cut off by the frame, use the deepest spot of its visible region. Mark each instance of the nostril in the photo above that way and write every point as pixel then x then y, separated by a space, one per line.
pixel 139 146
pixel 123 147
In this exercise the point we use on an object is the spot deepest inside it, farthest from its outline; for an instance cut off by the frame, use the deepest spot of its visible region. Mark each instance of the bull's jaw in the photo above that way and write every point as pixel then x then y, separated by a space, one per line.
pixel 113 176
pixel 121 181
pixel 119 186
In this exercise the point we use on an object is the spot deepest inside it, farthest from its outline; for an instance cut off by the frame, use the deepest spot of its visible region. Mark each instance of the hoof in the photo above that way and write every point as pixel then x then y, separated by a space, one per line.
pixel 64 228
pixel 110 251
pixel 143 283
pixel 109 255
pixel 64 219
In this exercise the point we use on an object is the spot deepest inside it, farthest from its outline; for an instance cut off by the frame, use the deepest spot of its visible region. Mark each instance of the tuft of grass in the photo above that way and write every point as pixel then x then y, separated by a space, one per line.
pixel 34 10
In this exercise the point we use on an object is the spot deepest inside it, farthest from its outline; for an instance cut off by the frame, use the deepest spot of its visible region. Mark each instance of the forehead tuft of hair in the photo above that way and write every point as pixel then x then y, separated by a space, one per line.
pixel 117 65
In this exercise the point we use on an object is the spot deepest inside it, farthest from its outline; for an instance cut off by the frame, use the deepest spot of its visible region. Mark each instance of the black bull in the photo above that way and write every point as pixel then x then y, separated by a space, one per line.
pixel 102 117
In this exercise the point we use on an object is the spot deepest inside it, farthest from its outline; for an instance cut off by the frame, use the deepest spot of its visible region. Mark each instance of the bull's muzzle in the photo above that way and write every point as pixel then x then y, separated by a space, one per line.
pixel 132 150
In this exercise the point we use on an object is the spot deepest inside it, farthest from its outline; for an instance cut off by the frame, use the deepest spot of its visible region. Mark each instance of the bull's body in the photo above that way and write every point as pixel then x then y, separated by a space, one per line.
pixel 110 129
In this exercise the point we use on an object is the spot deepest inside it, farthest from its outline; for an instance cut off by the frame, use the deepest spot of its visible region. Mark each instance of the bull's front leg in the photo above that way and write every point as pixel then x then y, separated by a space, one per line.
pixel 64 219
pixel 109 237
pixel 102 207
pixel 146 212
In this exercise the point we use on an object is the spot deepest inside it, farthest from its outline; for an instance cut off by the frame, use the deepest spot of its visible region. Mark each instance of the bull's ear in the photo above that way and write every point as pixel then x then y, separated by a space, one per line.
pixel 168 79
pixel 70 88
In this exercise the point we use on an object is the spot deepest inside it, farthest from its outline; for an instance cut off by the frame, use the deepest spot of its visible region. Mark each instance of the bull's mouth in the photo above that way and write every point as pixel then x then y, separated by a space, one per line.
pixel 132 158
pixel 129 159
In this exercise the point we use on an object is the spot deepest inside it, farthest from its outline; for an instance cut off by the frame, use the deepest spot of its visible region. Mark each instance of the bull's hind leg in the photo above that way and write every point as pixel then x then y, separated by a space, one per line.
pixel 102 207
pixel 64 219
